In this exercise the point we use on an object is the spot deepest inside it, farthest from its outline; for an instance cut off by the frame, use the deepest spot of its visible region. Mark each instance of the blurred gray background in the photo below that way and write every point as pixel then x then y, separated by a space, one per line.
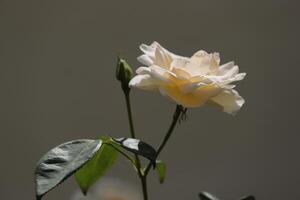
pixel 57 64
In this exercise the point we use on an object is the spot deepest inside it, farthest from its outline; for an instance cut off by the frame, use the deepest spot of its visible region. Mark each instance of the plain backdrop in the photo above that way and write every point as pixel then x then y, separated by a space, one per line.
pixel 57 64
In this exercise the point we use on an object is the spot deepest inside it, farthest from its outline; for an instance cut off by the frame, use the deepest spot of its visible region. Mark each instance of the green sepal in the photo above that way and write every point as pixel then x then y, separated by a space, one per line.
pixel 161 170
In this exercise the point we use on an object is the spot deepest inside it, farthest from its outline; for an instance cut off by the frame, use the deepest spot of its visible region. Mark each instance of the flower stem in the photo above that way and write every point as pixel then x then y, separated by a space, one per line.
pixel 127 97
pixel 132 132
pixel 143 174
pixel 137 159
pixel 144 186
pixel 178 111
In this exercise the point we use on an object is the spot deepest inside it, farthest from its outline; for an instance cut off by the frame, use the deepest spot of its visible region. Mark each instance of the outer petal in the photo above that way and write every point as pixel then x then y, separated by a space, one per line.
pixel 192 99
pixel 229 100
pixel 158 74
pixel 227 73
pixel 161 74
pixel 238 77
pixel 143 82
pixel 145 59
pixel 187 100
pixel 143 70
pixel 225 67
pixel 155 54
pixel 148 49
pixel 163 57
pixel 207 91
pixel 224 80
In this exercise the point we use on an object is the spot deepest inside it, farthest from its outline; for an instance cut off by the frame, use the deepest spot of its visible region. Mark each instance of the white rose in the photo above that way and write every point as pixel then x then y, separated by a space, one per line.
pixel 190 82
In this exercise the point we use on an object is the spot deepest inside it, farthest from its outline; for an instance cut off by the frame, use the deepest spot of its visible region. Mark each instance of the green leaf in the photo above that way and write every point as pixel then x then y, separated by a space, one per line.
pixel 138 147
pixel 161 170
pixel 61 162
pixel 96 167
pixel 248 198
pixel 207 196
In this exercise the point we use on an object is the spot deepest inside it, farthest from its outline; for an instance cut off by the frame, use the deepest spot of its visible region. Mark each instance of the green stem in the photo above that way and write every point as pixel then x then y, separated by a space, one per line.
pixel 132 132
pixel 179 109
pixel 137 159
pixel 127 97
pixel 143 174
pixel 144 186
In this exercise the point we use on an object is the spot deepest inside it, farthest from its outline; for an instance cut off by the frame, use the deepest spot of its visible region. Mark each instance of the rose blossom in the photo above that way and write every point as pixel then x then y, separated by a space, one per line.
pixel 190 82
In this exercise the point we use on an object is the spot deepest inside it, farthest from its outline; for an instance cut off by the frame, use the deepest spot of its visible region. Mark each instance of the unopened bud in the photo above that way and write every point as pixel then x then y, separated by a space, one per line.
pixel 124 74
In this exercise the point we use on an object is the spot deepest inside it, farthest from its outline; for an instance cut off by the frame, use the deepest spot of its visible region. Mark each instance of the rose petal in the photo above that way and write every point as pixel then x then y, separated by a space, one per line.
pixel 187 100
pixel 155 54
pixel 239 77
pixel 207 91
pixel 231 73
pixel 178 67
pixel 202 63
pixel 143 70
pixel 162 58
pixel 192 99
pixel 143 82
pixel 225 67
pixel 224 80
pixel 145 59
pixel 147 49
pixel 229 100
pixel 161 74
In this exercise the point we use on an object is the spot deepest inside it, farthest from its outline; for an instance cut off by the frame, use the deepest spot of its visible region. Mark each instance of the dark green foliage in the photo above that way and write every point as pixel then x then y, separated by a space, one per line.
pixel 61 162
pixel 96 167
pixel 138 147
